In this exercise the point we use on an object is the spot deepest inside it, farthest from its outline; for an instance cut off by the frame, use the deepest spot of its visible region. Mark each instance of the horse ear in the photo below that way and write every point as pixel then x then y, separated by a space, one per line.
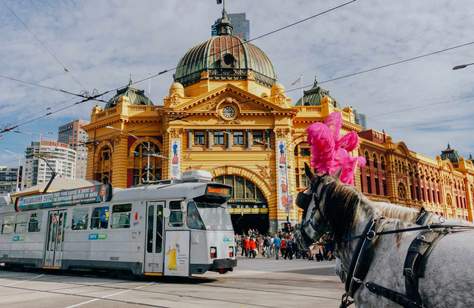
pixel 338 173
pixel 308 172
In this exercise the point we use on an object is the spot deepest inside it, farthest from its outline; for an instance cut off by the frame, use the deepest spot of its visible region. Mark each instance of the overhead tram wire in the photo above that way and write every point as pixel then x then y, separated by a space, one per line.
pixel 34 84
pixel 94 97
pixel 385 65
pixel 248 41
pixel 15 126
pixel 45 47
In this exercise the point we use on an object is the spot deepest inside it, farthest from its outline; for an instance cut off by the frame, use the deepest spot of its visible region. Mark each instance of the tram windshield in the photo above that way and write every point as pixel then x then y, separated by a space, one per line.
pixel 208 215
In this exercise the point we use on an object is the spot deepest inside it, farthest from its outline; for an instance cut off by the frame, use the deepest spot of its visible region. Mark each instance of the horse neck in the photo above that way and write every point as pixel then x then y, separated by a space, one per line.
pixel 363 215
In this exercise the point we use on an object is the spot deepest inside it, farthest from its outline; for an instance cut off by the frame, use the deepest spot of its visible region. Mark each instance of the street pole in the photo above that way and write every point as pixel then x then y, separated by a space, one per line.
pixel 148 163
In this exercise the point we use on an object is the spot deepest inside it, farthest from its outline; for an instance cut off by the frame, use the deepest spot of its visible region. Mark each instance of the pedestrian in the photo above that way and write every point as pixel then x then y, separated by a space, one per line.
pixel 283 247
pixel 260 244
pixel 266 246
pixel 246 246
pixel 276 245
pixel 252 248
pixel 289 248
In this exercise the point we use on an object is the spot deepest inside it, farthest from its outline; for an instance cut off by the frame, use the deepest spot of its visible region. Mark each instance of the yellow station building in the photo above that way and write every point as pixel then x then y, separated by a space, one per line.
pixel 226 113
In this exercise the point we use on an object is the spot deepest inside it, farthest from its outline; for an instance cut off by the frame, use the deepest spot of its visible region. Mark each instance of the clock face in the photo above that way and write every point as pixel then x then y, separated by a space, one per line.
pixel 228 112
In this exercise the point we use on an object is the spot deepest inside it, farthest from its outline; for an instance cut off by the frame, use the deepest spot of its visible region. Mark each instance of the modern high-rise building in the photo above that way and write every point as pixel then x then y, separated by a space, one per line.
pixel 240 24
pixel 42 157
pixel 75 136
pixel 9 179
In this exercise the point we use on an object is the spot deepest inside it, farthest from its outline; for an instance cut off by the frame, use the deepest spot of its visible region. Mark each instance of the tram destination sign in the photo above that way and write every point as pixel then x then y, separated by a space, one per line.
pixel 91 194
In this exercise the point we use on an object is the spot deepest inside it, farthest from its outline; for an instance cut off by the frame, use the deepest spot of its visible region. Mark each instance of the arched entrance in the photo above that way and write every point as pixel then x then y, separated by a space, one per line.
pixel 248 206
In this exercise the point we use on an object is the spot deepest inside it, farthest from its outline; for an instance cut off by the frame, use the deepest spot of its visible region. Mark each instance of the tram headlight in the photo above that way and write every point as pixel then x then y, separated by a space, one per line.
pixel 231 251
pixel 213 252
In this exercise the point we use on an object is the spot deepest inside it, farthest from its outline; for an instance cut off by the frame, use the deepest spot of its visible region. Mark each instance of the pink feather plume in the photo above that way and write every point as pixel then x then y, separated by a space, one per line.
pixel 330 151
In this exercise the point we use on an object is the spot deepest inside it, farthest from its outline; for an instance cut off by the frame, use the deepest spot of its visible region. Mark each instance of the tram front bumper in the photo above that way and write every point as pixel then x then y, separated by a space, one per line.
pixel 223 265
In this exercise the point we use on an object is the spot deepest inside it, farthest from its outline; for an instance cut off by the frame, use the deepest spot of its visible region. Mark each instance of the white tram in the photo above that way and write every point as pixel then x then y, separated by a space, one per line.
pixel 173 228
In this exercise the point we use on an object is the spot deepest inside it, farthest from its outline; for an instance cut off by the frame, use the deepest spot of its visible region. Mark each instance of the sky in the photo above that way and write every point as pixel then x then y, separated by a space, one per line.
pixel 101 43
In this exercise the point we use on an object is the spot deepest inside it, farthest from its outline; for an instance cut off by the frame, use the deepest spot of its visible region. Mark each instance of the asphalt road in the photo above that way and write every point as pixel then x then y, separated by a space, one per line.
pixel 254 283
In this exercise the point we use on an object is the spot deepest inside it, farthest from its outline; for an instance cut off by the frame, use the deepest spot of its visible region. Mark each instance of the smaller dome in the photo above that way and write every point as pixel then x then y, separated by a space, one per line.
pixel 135 97
pixel 176 88
pixel 315 96
pixel 450 154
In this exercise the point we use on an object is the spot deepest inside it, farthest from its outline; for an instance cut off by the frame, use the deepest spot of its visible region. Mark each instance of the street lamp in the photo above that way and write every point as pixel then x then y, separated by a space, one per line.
pixel 461 66
pixel 148 148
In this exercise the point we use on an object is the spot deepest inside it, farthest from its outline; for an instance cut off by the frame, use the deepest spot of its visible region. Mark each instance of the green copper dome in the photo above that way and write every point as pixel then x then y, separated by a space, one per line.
pixel 450 154
pixel 313 96
pixel 135 96
pixel 225 57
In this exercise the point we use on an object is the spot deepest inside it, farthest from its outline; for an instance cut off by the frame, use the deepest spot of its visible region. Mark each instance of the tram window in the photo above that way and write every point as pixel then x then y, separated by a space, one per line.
pixel 8 224
pixel 100 218
pixel 34 223
pixel 193 219
pixel 176 215
pixel 80 217
pixel 121 216
pixel 21 222
pixel 159 228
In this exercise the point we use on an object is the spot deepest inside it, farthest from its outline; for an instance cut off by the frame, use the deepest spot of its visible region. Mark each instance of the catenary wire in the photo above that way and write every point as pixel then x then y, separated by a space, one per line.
pixel 43 44
pixel 15 126
pixel 34 84
pixel 386 65
pixel 250 40
pixel 167 70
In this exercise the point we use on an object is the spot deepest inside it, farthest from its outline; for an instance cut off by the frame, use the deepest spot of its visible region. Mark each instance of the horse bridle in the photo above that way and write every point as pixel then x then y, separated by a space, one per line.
pixel 312 226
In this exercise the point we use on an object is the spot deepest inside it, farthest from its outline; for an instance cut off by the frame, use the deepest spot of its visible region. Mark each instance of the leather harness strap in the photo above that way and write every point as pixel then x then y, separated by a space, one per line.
pixel 360 263
pixel 394 296
pixel 415 261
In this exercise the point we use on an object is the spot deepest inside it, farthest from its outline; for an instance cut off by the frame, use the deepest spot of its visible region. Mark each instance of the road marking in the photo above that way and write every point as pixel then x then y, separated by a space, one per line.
pixel 21 281
pixel 109 295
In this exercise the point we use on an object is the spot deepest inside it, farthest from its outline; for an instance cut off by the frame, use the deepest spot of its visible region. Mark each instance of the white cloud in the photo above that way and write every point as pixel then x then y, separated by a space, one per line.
pixel 102 42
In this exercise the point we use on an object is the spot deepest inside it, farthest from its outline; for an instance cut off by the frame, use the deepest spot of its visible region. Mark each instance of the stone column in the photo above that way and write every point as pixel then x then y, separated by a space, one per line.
pixel 210 140
pixel 228 139
pixel 120 162
pixel 190 139
pixel 249 139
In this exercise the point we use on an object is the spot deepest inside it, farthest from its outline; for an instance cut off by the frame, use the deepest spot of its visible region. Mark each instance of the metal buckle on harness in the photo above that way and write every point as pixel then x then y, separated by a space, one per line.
pixel 345 301
pixel 370 235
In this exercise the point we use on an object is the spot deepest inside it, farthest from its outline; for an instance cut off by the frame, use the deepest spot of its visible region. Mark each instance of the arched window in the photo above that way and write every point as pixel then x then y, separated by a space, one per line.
pixel 147 162
pixel 366 154
pixel 104 166
pixel 449 200
pixel 402 192
pixel 382 162
pixel 375 161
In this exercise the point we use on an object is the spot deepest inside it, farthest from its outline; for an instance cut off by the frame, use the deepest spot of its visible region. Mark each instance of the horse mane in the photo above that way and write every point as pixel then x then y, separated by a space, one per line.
pixel 341 204
pixel 395 211
pixel 340 207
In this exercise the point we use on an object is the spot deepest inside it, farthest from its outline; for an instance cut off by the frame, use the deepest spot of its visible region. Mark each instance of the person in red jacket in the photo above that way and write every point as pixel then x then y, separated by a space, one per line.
pixel 253 248
pixel 283 247
pixel 247 246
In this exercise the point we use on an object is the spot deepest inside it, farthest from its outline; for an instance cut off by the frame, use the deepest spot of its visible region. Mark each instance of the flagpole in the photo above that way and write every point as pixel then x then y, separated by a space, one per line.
pixel 302 91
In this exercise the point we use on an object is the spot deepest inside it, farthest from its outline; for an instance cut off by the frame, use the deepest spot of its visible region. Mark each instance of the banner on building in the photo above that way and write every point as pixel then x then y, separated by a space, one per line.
pixel 284 198
pixel 175 159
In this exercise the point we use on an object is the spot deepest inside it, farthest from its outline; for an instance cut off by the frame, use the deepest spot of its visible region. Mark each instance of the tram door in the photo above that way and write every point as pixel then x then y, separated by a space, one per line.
pixel 154 238
pixel 55 238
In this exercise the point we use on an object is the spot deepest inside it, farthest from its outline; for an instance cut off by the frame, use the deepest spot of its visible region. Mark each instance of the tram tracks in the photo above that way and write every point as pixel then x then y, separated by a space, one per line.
pixel 63 279
pixel 107 298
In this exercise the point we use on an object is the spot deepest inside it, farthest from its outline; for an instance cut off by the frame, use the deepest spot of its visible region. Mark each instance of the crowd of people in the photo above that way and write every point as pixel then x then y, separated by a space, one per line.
pixel 282 244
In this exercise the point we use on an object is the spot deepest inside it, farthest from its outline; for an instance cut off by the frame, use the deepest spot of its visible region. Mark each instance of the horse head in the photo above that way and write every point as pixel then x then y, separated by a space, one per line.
pixel 328 206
